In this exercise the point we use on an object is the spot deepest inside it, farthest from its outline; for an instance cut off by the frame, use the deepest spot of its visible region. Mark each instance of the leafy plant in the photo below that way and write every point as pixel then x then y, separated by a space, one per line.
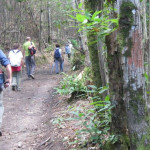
pixel 49 48
pixel 99 22
pixel 71 85
pixel 59 121
pixel 94 121
pixel 76 84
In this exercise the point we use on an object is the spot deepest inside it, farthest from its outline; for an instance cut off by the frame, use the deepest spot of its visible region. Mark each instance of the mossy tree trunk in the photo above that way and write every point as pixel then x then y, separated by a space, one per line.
pixel 127 84
pixel 83 39
pixel 91 6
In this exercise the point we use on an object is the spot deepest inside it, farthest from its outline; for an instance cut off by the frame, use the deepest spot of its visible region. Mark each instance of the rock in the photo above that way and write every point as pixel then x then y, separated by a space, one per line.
pixel 19 144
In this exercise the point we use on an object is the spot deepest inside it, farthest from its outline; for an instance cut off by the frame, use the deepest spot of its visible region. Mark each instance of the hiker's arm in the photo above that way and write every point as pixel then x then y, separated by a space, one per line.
pixel 6 63
pixel 23 52
pixel 22 62
pixel 9 74
pixel 54 56
pixel 62 53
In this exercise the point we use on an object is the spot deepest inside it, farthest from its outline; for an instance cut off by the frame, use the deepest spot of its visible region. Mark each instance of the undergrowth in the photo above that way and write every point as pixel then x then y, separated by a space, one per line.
pixel 75 85
pixel 94 120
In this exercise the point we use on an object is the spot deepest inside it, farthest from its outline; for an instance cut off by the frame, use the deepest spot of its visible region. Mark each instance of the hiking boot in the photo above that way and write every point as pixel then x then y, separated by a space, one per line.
pixel 0 133
pixel 13 87
pixel 18 89
pixel 32 76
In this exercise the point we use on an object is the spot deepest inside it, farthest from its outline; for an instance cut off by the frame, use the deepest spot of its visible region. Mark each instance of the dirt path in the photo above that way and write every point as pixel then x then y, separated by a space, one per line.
pixel 26 121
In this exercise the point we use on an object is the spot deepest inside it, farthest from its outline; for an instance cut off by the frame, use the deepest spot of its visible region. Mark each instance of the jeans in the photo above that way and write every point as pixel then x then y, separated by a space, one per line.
pixel 16 79
pixel 57 63
pixel 1 108
pixel 30 65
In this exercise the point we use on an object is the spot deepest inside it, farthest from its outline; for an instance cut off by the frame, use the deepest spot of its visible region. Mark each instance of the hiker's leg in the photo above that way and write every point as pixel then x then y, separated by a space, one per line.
pixel 18 79
pixel 61 65
pixel 56 65
pixel 14 78
pixel 69 55
pixel 32 65
pixel 27 61
pixel 1 108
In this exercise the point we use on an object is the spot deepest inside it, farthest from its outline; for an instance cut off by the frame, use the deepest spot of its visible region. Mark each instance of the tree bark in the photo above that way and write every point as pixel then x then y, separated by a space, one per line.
pixel 127 84
pixel 83 40
pixel 91 6
pixel 49 22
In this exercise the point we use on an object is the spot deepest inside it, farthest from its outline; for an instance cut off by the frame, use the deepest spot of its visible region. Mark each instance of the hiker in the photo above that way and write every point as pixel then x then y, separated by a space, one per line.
pixel 16 60
pixel 29 59
pixel 68 48
pixel 58 59
pixel 4 83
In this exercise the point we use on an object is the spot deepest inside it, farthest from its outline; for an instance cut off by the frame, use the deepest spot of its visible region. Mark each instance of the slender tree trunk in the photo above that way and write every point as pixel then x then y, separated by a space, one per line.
pixel 91 6
pixel 148 58
pixel 49 21
pixel 83 40
pixel 102 61
pixel 40 32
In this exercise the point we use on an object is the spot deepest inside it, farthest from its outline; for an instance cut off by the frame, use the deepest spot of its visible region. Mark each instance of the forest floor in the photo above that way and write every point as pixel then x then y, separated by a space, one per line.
pixel 27 122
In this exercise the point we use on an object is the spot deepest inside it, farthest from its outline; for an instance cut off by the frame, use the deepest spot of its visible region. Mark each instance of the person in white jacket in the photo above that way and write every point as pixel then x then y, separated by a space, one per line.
pixel 16 60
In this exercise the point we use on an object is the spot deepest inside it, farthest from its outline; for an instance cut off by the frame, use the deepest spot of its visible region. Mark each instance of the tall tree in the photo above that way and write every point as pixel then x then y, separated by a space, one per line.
pixel 91 6
pixel 127 84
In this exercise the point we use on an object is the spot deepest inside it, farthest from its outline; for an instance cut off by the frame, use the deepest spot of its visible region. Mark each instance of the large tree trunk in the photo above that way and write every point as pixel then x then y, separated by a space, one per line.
pixel 127 85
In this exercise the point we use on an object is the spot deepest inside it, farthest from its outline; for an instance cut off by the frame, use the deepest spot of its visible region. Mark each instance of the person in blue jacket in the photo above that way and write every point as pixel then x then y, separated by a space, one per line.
pixel 4 62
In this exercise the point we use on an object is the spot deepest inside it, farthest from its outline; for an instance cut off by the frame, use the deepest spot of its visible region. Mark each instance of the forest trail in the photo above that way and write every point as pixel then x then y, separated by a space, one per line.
pixel 26 121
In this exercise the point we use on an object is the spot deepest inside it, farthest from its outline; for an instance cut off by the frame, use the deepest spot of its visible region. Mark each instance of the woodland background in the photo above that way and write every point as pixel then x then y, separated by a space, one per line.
pixel 111 49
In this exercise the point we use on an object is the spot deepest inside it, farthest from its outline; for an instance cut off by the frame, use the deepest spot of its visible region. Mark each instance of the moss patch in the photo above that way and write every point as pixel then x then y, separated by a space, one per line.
pixel 125 23
pixel 126 18
pixel 123 143
pixel 145 141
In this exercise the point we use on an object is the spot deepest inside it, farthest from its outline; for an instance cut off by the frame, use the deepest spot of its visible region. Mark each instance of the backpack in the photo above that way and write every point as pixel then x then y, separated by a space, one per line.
pixel 67 49
pixel 15 60
pixel 57 53
pixel 32 49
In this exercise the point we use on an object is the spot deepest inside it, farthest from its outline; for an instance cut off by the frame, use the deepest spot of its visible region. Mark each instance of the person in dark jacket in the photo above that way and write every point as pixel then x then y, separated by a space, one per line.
pixel 4 62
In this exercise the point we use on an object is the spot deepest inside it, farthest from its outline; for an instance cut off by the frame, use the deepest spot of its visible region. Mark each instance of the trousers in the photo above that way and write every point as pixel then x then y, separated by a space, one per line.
pixel 57 63
pixel 30 65
pixel 16 79
pixel 1 108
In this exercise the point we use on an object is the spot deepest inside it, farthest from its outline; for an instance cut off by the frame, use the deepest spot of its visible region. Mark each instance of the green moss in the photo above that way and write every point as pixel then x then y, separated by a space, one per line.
pixel 126 18
pixel 123 143
pixel 127 53
pixel 144 143
pixel 91 5
pixel 125 23
pixel 120 41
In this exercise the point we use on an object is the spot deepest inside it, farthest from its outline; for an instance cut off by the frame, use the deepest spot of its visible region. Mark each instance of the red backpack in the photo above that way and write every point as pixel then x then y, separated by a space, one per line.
pixel 32 49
